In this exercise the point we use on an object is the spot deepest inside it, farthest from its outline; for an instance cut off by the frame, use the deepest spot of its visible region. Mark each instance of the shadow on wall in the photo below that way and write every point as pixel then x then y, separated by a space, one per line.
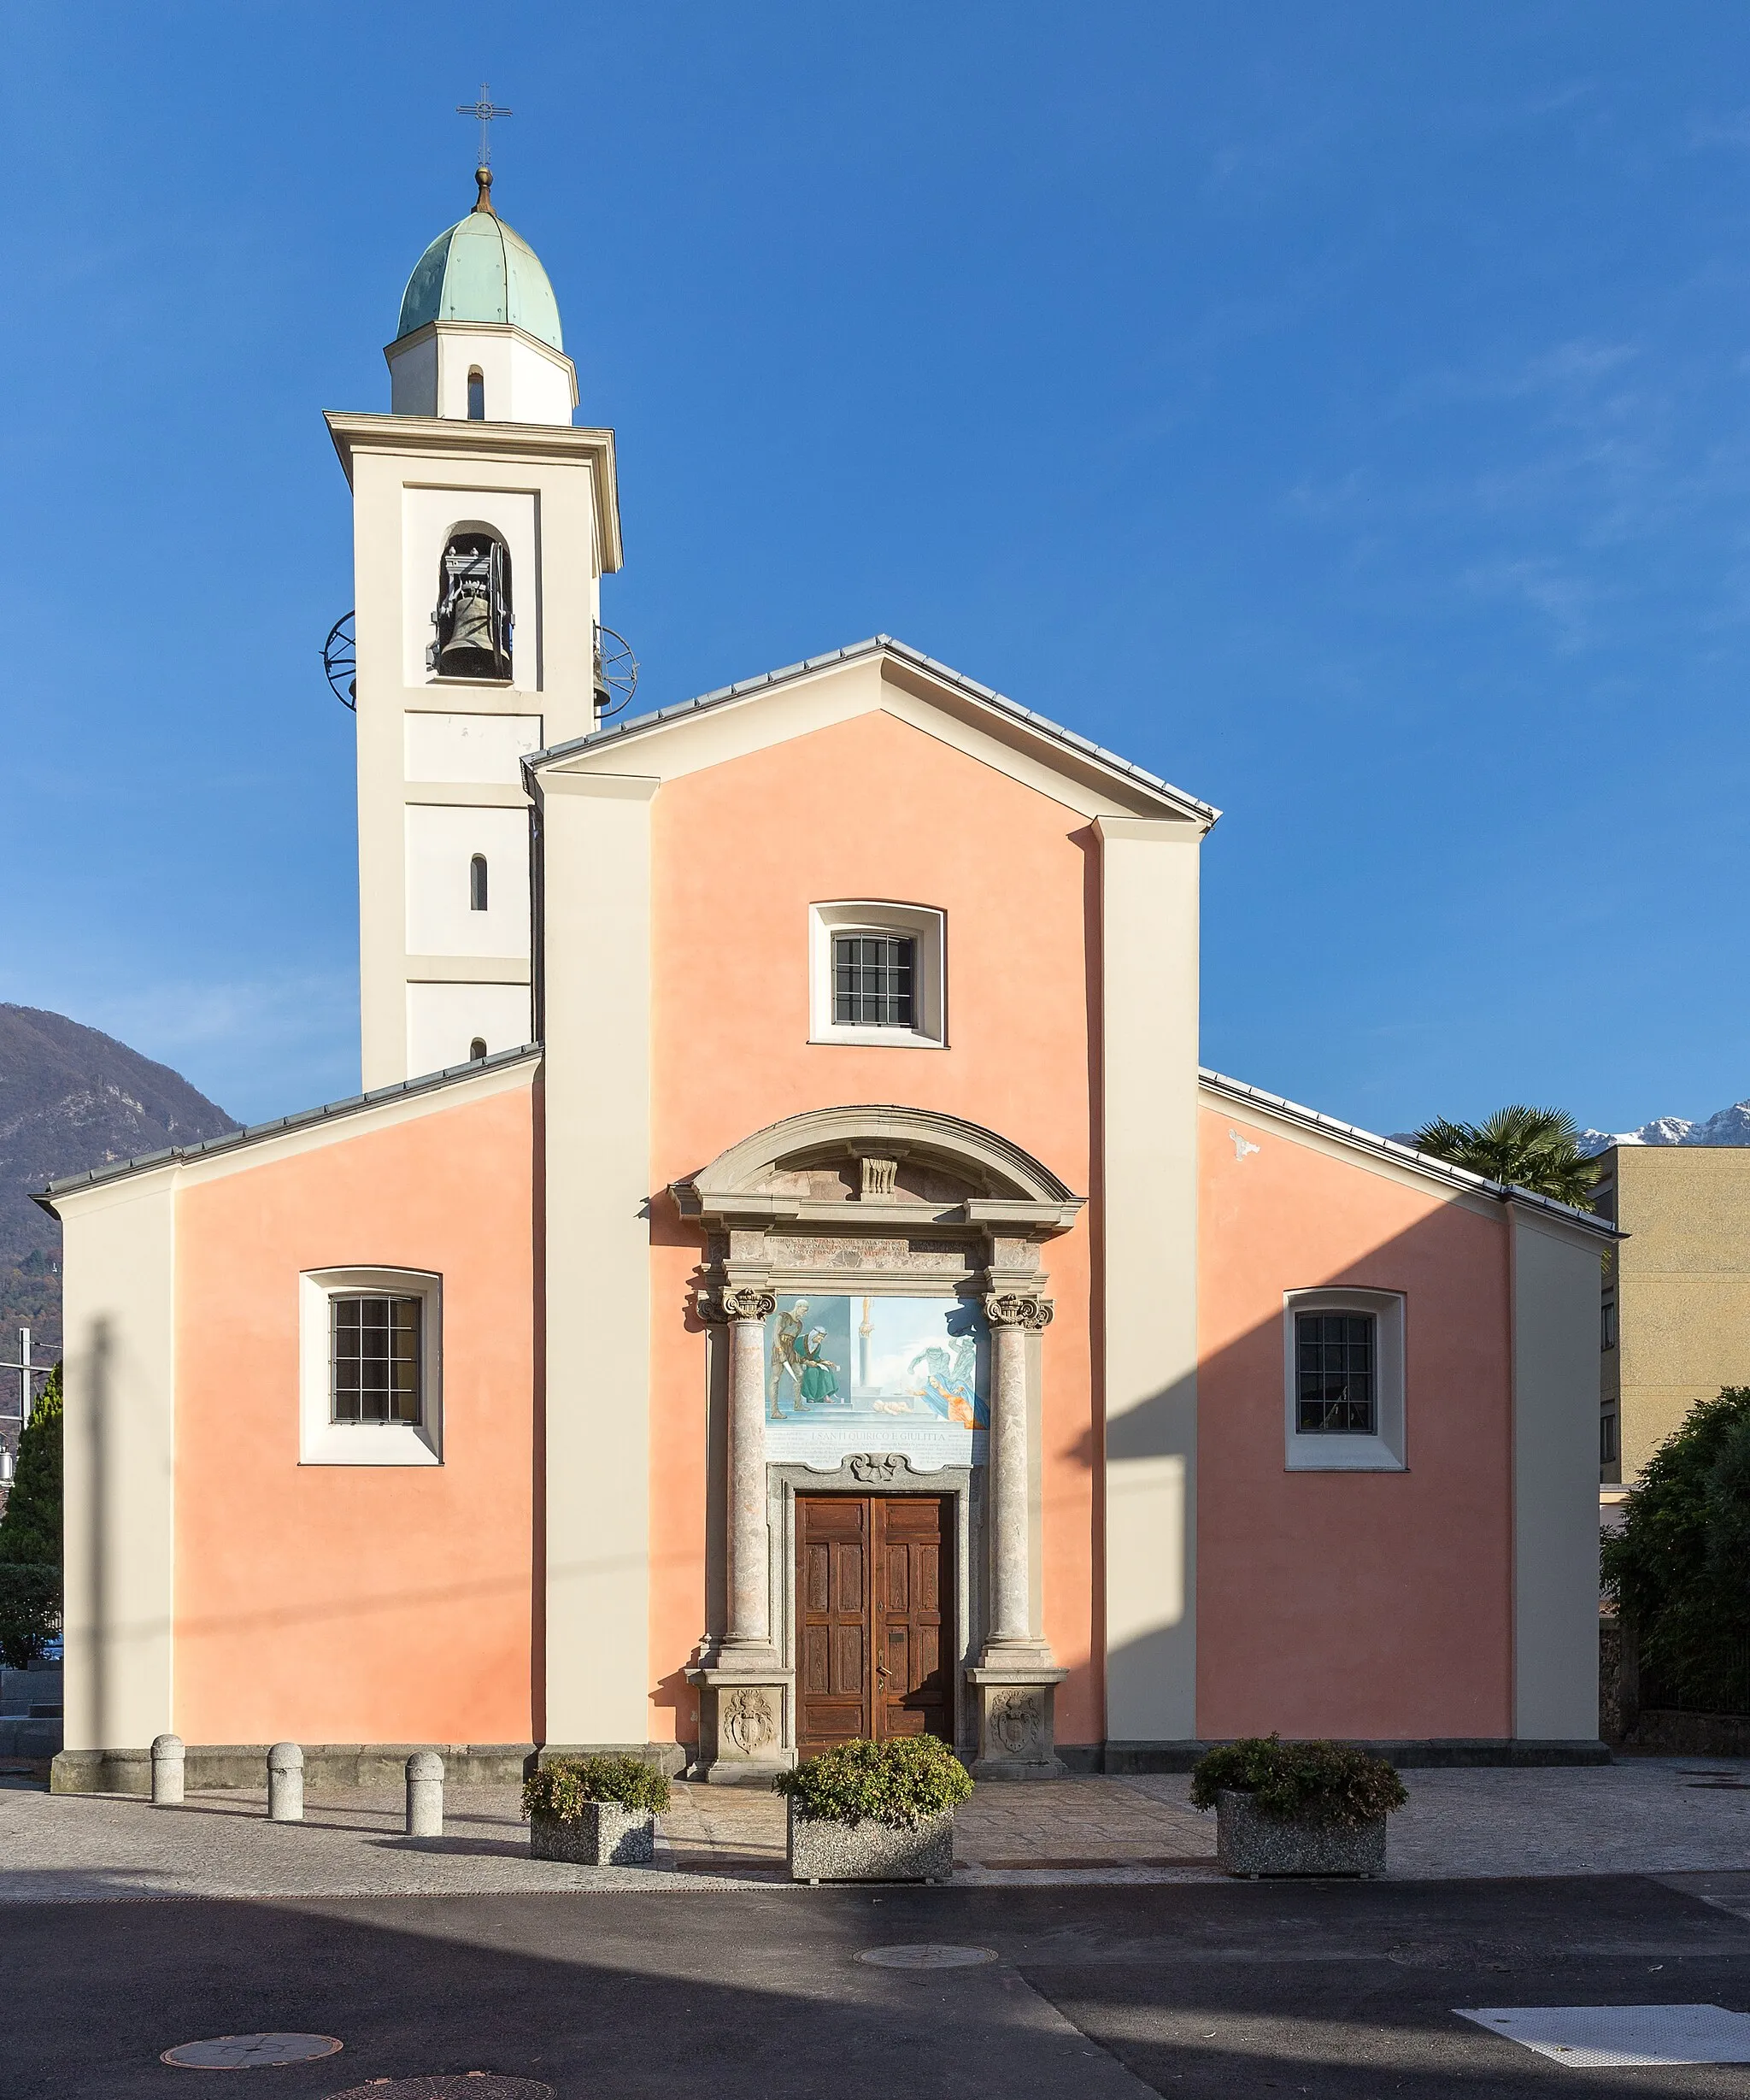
pixel 1373 1604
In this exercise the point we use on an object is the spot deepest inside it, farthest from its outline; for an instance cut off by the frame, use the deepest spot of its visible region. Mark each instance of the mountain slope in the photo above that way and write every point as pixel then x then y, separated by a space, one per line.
pixel 72 1097
pixel 1728 1126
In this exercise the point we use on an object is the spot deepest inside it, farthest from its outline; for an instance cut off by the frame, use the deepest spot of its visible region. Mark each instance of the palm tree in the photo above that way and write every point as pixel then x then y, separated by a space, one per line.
pixel 1535 1149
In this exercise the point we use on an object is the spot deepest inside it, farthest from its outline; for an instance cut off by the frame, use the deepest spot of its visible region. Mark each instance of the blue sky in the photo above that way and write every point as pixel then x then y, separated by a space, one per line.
pixel 1344 412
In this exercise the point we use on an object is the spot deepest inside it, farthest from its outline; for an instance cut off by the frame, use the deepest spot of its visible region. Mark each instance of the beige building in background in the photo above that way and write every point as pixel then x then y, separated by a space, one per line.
pixel 1675 1314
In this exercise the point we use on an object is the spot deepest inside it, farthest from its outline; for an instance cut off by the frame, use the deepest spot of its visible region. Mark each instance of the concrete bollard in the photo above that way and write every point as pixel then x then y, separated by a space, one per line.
pixel 425 1795
pixel 285 1783
pixel 167 1771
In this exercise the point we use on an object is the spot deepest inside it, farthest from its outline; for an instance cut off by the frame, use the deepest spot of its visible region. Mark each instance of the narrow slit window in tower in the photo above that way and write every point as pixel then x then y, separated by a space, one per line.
pixel 476 394
pixel 477 883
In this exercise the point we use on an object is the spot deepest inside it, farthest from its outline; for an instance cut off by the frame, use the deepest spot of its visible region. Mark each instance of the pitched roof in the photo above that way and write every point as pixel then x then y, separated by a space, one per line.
pixel 884 644
pixel 1404 1154
pixel 257 1133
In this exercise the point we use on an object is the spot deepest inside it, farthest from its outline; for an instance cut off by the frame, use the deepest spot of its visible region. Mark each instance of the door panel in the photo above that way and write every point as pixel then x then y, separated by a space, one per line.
pixel 875 1642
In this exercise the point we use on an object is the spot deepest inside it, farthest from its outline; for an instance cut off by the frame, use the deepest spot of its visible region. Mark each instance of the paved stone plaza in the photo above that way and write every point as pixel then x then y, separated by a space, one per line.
pixel 1639 1816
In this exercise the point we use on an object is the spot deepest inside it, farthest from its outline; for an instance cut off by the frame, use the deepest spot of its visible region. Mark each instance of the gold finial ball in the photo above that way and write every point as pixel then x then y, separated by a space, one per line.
pixel 483 201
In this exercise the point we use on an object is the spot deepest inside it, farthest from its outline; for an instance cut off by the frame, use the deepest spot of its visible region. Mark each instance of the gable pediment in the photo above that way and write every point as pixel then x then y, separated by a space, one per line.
pixel 878 675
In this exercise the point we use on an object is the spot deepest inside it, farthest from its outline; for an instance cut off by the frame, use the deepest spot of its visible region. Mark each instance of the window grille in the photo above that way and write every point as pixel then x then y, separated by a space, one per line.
pixel 873 977
pixel 1334 1393
pixel 375 1359
pixel 477 883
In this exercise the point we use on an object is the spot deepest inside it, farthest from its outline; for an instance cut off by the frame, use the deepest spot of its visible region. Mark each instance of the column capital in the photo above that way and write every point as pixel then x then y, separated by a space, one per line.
pixel 1015 1309
pixel 736 1302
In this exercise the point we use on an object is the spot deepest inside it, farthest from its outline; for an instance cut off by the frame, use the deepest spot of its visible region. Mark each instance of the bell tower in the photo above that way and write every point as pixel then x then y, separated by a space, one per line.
pixel 482 524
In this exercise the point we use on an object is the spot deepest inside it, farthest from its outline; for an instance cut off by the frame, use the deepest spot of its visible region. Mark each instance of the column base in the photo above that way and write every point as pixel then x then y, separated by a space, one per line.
pixel 1017 1709
pixel 744 1716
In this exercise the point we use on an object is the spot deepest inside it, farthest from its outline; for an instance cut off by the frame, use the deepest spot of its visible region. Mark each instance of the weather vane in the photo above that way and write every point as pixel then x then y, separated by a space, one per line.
pixel 483 112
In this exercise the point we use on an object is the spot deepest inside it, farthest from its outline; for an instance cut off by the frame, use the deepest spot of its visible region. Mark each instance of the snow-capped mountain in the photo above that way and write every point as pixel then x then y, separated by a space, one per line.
pixel 1730 1126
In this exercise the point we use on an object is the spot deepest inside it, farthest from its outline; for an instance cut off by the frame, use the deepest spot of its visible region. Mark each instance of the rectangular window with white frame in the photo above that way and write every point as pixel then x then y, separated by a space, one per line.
pixel 370 1347
pixel 878 976
pixel 1344 1360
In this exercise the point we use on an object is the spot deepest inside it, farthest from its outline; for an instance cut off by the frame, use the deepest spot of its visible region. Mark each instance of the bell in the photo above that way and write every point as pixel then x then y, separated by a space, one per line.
pixel 473 620
pixel 469 652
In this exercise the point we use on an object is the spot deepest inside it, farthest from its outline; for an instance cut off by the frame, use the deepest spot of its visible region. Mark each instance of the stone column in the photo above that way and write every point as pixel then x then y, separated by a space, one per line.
pixel 749 1628
pixel 744 1688
pixel 1014 1680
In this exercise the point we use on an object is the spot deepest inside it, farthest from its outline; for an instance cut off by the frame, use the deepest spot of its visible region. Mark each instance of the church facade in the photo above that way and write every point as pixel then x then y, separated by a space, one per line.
pixel 788 1277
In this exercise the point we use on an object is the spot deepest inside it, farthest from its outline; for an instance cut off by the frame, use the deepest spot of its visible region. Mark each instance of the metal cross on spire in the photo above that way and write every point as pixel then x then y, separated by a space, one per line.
pixel 483 111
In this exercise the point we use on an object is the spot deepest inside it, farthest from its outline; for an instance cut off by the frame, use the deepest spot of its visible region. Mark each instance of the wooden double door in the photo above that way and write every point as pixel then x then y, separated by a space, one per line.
pixel 875 1632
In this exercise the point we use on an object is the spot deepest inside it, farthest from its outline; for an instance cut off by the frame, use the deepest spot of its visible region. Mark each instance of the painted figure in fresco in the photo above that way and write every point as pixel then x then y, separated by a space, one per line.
pixel 816 1382
pixel 783 1344
pixel 949 1380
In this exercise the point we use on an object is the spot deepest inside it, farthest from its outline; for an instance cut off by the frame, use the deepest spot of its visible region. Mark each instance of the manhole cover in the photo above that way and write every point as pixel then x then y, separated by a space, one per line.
pixel 927 1957
pixel 449 2086
pixel 241 2052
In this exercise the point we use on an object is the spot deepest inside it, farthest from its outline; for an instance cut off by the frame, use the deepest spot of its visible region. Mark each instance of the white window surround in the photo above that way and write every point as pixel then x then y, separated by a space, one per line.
pixel 1328 1453
pixel 325 1442
pixel 923 924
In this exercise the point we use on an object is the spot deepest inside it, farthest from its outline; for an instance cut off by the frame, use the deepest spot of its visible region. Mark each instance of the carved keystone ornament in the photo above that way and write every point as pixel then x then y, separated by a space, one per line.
pixel 870 1466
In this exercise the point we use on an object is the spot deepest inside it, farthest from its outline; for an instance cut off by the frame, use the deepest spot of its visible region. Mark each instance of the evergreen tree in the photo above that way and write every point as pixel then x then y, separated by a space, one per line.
pixel 30 1531
pixel 1679 1569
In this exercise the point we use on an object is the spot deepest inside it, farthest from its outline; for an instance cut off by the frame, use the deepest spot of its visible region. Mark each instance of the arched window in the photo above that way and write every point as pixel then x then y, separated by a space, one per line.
pixel 473 615
pixel 477 883
pixel 477 1049
pixel 476 394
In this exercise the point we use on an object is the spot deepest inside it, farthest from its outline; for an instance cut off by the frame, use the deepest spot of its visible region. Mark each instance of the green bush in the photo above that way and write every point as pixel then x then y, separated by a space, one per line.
pixel 30 1531
pixel 30 1611
pixel 902 1783
pixel 559 1792
pixel 1679 1569
pixel 1325 1781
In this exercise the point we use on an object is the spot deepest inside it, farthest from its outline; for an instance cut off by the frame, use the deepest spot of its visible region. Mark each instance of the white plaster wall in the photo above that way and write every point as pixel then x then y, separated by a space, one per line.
pixel 524 381
pixel 470 747
pixel 1555 1478
pixel 596 830
pixel 442 1020
pixel 410 474
pixel 429 516
pixel 441 840
pixel 119 1309
pixel 1148 1233
pixel 413 377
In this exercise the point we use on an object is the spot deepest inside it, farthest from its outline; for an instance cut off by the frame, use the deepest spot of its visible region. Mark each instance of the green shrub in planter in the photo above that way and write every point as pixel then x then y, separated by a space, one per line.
pixel 902 1783
pixel 560 1791
pixel 1325 1782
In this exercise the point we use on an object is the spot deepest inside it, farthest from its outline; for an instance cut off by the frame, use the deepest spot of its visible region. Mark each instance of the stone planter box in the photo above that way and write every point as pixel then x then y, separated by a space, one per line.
pixel 1250 1842
pixel 867 1852
pixel 608 1836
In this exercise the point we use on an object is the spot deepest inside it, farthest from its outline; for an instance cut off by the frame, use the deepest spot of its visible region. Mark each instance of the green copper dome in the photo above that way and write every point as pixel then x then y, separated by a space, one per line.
pixel 480 270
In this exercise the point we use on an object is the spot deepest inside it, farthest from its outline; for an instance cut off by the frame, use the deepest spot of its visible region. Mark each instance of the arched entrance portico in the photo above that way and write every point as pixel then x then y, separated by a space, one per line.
pixel 910 1242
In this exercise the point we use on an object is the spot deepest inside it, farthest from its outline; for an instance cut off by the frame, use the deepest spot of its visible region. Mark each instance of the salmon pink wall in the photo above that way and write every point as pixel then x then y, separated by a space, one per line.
pixel 357 1603
pixel 1374 1605
pixel 870 808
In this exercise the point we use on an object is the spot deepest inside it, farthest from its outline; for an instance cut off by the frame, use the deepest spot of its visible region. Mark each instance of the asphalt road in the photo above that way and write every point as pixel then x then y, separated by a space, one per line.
pixel 1328 1989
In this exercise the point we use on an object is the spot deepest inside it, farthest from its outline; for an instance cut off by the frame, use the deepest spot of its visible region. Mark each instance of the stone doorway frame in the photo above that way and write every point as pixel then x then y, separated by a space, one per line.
pixel 886 1472
pixel 890 1201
